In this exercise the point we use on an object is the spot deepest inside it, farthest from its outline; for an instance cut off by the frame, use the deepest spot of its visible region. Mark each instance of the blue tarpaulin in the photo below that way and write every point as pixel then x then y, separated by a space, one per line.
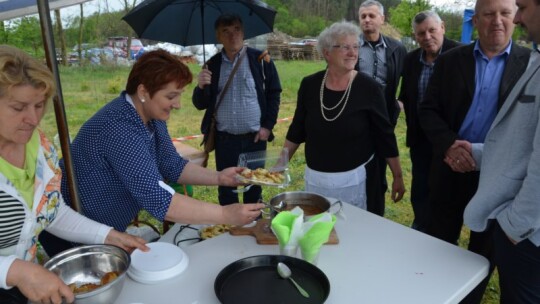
pixel 467 29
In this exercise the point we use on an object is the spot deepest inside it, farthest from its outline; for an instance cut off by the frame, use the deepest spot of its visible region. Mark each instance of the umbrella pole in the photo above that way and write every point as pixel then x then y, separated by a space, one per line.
pixel 58 100
pixel 203 40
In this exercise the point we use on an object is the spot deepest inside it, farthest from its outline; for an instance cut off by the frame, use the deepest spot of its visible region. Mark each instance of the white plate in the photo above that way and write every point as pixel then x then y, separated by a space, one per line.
pixel 162 262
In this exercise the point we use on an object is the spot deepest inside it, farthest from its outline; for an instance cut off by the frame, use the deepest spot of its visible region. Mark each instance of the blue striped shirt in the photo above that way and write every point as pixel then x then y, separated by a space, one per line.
pixel 239 111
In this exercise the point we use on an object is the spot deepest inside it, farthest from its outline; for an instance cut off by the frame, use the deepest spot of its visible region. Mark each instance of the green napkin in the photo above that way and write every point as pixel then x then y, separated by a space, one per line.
pixel 316 232
pixel 287 226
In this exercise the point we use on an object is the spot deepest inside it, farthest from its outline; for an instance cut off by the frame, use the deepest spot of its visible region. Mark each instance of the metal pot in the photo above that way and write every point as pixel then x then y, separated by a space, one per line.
pixel 311 203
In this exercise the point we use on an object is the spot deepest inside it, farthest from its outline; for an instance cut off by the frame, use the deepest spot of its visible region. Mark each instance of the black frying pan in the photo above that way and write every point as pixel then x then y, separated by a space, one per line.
pixel 255 280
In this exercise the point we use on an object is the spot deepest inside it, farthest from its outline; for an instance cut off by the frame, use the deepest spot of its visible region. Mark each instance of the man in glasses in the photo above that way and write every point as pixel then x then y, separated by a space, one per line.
pixel 381 58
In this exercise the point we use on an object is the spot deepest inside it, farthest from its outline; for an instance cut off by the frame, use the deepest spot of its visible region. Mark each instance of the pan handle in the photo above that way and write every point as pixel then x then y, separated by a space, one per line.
pixel 338 211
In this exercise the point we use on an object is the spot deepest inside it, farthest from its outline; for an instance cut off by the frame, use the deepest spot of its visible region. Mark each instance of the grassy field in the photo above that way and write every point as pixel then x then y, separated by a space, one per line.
pixel 86 89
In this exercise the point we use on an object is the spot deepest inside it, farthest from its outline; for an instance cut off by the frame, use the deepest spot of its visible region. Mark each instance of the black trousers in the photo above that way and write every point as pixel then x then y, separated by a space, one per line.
pixel 228 149
pixel 519 269
pixel 450 192
pixel 481 243
pixel 12 296
pixel 421 157
pixel 376 185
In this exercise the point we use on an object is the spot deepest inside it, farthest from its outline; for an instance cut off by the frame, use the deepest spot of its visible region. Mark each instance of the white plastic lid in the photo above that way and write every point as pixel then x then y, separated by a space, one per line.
pixel 162 262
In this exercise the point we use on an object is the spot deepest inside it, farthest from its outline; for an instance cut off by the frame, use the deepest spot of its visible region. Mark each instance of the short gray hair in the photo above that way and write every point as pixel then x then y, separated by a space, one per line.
pixel 422 16
pixel 329 36
pixel 371 3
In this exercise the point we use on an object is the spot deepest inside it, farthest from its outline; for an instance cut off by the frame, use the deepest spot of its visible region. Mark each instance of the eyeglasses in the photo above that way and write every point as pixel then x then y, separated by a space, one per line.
pixel 345 47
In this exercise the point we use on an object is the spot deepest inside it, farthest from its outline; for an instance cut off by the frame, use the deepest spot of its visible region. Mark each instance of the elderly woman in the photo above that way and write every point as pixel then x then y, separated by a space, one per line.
pixel 30 199
pixel 123 156
pixel 343 124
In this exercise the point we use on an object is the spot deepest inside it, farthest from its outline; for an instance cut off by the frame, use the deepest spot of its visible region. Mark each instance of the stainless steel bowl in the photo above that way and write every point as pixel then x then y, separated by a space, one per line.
pixel 87 264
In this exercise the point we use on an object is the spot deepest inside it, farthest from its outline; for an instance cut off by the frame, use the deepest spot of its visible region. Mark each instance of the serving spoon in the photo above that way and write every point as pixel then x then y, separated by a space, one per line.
pixel 285 272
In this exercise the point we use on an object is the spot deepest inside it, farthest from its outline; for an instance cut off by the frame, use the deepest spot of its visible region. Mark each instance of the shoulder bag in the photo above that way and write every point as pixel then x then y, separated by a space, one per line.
pixel 209 141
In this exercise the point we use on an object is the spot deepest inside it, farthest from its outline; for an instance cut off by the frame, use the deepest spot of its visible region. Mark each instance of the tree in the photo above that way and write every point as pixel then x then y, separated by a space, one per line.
pixel 80 40
pixel 403 14
pixel 128 7
pixel 453 22
pixel 27 36
pixel 4 33
pixel 61 37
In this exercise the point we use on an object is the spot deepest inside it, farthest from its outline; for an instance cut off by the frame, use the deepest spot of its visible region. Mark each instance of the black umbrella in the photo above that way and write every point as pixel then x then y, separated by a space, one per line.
pixel 191 22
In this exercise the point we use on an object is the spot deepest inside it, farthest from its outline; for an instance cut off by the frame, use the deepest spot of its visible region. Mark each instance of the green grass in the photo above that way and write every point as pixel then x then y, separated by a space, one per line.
pixel 86 89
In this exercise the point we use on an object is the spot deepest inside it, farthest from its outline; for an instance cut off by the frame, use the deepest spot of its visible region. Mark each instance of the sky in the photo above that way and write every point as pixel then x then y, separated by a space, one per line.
pixel 92 6
pixel 454 4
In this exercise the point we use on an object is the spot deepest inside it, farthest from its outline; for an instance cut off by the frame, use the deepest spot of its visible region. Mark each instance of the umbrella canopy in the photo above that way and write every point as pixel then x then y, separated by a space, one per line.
pixel 191 22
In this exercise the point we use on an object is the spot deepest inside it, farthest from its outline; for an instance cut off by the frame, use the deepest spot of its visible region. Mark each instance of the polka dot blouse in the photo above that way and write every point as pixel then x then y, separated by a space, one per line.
pixel 119 163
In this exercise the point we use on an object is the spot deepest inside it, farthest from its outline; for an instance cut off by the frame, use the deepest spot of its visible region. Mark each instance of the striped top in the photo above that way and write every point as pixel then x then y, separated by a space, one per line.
pixel 11 220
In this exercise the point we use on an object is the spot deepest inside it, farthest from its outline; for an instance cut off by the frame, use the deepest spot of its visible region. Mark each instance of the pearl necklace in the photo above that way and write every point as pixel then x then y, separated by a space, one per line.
pixel 345 98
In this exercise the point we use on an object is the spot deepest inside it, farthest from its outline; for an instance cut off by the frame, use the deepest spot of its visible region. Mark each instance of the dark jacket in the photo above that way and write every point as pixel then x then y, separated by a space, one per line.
pixel 451 90
pixel 412 68
pixel 267 85
pixel 395 54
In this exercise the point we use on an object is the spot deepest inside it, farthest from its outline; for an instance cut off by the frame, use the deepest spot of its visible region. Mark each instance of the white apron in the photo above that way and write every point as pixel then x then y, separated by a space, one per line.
pixel 348 187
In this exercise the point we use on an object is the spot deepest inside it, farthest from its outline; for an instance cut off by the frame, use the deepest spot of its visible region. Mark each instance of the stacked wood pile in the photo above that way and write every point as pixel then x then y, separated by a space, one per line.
pixel 280 47
pixel 285 51
pixel 311 53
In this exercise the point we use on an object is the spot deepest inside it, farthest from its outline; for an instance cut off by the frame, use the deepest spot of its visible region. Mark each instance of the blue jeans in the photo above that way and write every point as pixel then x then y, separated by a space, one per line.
pixel 228 148
pixel 421 155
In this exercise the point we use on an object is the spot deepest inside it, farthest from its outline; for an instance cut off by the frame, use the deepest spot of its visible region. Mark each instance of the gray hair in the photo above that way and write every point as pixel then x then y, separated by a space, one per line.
pixel 329 36
pixel 422 16
pixel 371 3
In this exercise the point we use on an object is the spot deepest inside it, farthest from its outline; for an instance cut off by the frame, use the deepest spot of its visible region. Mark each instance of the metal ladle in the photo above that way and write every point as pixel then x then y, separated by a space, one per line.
pixel 285 272
pixel 281 206
pixel 242 190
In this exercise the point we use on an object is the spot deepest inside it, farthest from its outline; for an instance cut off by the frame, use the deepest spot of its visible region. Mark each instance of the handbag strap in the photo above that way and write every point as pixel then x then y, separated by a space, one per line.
pixel 229 80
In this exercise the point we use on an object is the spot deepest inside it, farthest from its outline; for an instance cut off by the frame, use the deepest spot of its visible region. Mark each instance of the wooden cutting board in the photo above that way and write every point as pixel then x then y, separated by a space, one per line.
pixel 264 235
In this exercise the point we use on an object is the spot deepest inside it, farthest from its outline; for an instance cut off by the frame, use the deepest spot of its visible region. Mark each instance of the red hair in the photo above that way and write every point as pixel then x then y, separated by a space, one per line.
pixel 155 70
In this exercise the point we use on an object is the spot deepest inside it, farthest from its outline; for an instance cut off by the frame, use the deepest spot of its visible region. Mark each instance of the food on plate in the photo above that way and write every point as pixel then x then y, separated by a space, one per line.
pixel 212 231
pixel 263 175
pixel 82 288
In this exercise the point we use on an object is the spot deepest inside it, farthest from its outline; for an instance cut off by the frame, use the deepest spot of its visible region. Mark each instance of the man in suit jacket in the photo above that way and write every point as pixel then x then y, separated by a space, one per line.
pixel 509 189
pixel 417 69
pixel 381 58
pixel 247 111
pixel 468 87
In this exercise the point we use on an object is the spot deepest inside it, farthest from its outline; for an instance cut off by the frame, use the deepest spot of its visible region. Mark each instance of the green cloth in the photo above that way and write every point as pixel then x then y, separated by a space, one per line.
pixel 316 232
pixel 23 178
pixel 287 226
